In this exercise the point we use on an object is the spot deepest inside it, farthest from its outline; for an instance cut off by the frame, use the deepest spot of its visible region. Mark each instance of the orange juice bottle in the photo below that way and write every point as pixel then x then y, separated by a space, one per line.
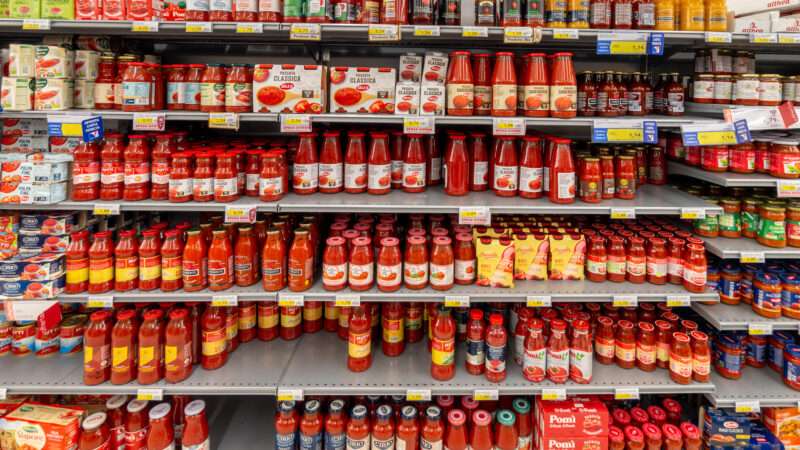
pixel 665 15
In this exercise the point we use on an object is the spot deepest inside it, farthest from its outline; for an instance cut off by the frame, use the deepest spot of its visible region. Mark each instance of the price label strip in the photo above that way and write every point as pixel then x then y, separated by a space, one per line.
pixel 427 31
pixel 100 301
pixel 224 300
pixel 90 128
pixel 539 301
pixel 630 43
pixel 693 213
pixel 108 209
pixel 148 26
pixel 347 300
pixel 716 134
pixel 747 406
pixel 418 395
pixel 789 38
pixel 305 32
pixel 223 121
pixel 508 126
pixel 678 301
pixel 289 395
pixel 788 188
pixel 626 394
pixel 240 213
pixel 474 215
pixel 290 299
pixel 625 301
pixel 475 32
pixel 295 123
pixel 759 329
pixel 383 33
pixel 35 24
pixel 763 38
pixel 150 395
pixel 624 131
pixel 521 35
pixel 456 301
pixel 717 37
pixel 3 393
pixel 751 257
pixel 569 34
pixel 199 27
pixel 249 27
pixel 419 125
pixel 485 395
pixel 149 121
pixel 554 394
pixel 623 213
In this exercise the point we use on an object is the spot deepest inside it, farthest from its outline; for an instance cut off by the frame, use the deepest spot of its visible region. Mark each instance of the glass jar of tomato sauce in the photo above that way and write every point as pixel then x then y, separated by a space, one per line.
pixel 784 158
pixel 112 170
pixel 176 86
pixel 212 88
pixel 104 83
pixel 771 226
pixel 137 168
pixel 137 84
pixel 563 87
pixel 239 88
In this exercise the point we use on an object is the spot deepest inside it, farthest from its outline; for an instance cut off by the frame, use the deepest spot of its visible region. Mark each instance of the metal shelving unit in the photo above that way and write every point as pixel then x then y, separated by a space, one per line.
pixel 240 423
pixel 740 317
pixel 145 205
pixel 763 385
pixel 123 115
pixel 254 369
pixel 411 371
pixel 727 179
pixel 737 248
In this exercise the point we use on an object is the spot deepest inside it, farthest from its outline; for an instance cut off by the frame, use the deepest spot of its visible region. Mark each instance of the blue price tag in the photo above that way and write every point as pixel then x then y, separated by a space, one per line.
pixel 650 132
pixel 655 44
pixel 603 47
pixel 92 129
pixel 719 134
pixel 742 131
pixel 625 131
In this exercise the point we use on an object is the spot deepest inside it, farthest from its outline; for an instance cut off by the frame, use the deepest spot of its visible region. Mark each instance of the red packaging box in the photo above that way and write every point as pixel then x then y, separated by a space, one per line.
pixel 570 418
pixel 572 443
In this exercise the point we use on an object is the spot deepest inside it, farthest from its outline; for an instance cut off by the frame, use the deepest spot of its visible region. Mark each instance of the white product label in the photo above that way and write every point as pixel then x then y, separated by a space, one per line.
pixel 380 176
pixel 330 175
pixel 441 275
pixel 464 269
pixel 530 179
pixel 390 276
pixel 355 176
pixel 566 185
pixel 505 178
pixel 414 175
pixel 480 173
pixel 306 176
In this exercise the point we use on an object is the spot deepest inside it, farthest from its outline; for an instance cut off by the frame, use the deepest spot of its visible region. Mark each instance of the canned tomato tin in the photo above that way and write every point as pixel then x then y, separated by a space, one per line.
pixel 23 337
pixel 47 341
pixel 791 366
pixel 5 337
pixel 71 335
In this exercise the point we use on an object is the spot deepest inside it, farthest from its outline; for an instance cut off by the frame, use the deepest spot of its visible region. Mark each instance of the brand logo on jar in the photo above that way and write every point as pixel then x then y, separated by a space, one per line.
pixel 363 87
pixel 287 86
pixel 561 443
pixel 562 420
pixel 730 424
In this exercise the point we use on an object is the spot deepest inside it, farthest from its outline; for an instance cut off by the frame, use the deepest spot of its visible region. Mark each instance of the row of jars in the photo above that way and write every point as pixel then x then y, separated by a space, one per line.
pixel 771 222
pixel 719 61
pixel 744 89
pixel 612 94
pixel 772 289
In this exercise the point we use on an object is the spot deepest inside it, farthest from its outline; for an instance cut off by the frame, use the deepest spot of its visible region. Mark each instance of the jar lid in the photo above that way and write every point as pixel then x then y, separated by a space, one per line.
pixel 416 240
pixel 408 412
pixel 160 411
pixel 383 412
pixel 456 417
pixel 337 240
pixel 690 430
pixel 634 434
pixel 505 417
pixel 433 413
pixel 135 406
pixel 616 435
pixel 116 401
pixel 656 413
pixel 389 241
pixel 621 416
pixel 521 405
pixel 94 421
pixel 671 432
pixel 481 417
pixel 359 412
pixel 651 431
pixel 442 240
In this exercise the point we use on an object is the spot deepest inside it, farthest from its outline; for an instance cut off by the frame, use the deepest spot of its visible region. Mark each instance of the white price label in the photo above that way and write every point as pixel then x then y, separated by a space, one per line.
pixel 427 30
pixel 693 213
pixel 788 188
pixel 250 27
pixel 150 395
pixel 419 125
pixel 109 209
pixel 539 301
pixel 383 32
pixel 751 257
pixel 719 37
pixel 27 309
pixel 199 27
pixel 290 299
pixel 347 300
pixel 565 33
pixel 475 32
pixel 240 213
pixel 554 394
pixel 626 394
pixel 789 38
pixel 224 121
pixel 224 300
pixel 508 126
pixel 623 213
pixel 518 35
pixel 456 301
pixel 305 32
pixel 3 393
pixel 288 395
pixel 147 26
pixel 747 406
pixel 763 38
pixel 677 301
pixel 35 24
pixel 418 395
pixel 759 329
pixel 100 301
pixel 295 123
pixel 625 301
pixel 485 395
pixel 149 121
pixel 474 215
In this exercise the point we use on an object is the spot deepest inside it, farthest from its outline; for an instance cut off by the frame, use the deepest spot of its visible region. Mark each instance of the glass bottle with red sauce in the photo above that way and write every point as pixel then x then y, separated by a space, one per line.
pixel 160 167
pixel 531 167
pixel 180 178
pixel 126 262
pixel 389 270
pixel 300 269
pixel 136 425
pixel 172 261
pixel 506 168
pixel 212 88
pixel 456 165
pixel 383 427
pixel 178 346
pixel 225 178
pixel 358 427
pixel 701 356
pixel 455 437
pixel 561 172
pixel 359 347
pixel 504 85
pixel 408 428
pixel 636 262
pixel 195 262
pixel 101 264
pixel 507 434
pixel 646 351
pixel 379 175
pixel 151 345
pixel 397 153
pixel 203 181
pixel 536 86
pixel 77 263
pixel 355 163
pixel 432 433
pixel 415 160
pixel 625 345
pixel 415 270
pixel 481 432
pixel 590 180
pixel 112 171
pixel 150 260
pixel 104 83
pixel 587 94
pixel 460 86
pixel 137 86
pixel 558 352
pixel 496 340
pixel 214 339
pixel 137 168
pixel 464 259
pixel 604 345
pixel 85 172
pixel 441 264
pixel 95 432
pixel 161 432
pixel 220 262
pixel 680 359
pixel 563 87
pixel 482 79
pixel 124 336
pixel 334 264
pixel 443 346
pixel 273 261
pixel 392 315
pixel 245 257
pixel 97 349
pixel 361 267
pixel 306 165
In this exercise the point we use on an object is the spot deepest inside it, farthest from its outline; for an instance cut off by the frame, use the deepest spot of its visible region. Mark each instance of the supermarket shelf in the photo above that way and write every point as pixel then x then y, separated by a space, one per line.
pixel 411 370
pixel 123 115
pixel 727 179
pixel 739 317
pixel 242 422
pixel 735 248
pixel 764 385
pixel 254 369
pixel 650 200
pixel 559 291
pixel 145 205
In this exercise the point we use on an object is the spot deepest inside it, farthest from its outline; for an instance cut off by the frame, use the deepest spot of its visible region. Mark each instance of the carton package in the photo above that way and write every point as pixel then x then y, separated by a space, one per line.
pixel 434 69
pixel 23 144
pixel 573 418
pixel 495 261
pixel 53 61
pixel 410 68
pixel 407 98
pixel 83 94
pixel 362 90
pixel 783 423
pixel 722 428
pixel 33 425
pixel 756 23
pixel 47 224
pixel 432 100
pixel 44 194
pixel 86 64
pixel 58 9
pixel 53 94
pixel 63 144
pixel 24 127
pixel 43 267
pixel 567 256
pixel 289 88
pixel 17 94
pixel 531 255
pixel 24 9
pixel 21 60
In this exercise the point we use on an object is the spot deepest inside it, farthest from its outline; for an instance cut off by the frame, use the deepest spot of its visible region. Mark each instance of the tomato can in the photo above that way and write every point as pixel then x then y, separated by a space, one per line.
pixel 5 337
pixel 46 341
pixel 71 334
pixel 23 336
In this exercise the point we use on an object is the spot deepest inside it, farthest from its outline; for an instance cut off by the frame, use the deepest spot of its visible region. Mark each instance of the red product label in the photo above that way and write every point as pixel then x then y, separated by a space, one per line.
pixel 136 440
pixel 112 172
pixel 571 418
pixel 87 10
pixel 572 443
pixel 85 173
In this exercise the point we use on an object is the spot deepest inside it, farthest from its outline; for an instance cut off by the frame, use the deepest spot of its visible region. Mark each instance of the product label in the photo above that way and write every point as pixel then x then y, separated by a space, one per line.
pixel 330 175
pixel 390 276
pixel 334 275
pixel 238 94
pixel 225 187
pixel 475 354
pixel 355 176
pixel 536 98
pixel 566 185
pixel 558 364
pixel 360 274
pixel 530 179
pixel 305 176
pixel 425 444
pixel 335 441
pixel 604 347
pixel 415 274
pixel 460 96
pixel 379 176
pixel 443 351
pixel 504 97
pixel 495 358
pixel 441 274
pixel 563 98
pixel 483 98
pixel 580 362
pixel 505 178
pixel 135 93
pixel 359 344
pixel 212 94
pixel 202 187
pixel 464 269
pixel 480 173
pixel 414 175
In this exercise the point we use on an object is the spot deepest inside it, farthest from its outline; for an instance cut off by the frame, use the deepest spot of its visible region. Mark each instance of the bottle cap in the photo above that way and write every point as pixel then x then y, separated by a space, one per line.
pixel 456 417
pixel 312 407
pixel 505 417
pixel 359 412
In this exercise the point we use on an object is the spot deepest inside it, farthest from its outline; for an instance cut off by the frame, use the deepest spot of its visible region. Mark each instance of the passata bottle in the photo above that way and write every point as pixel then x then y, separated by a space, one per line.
pixel 286 427
pixel 77 262
pixel 408 429
pixel 507 434
pixel 522 410
pixel 380 164
pixel 534 362
pixel 456 435
pixel 311 427
pixel 195 431
pixel 126 262
pixel 531 170
pixel 482 100
pixel 562 172
pixel 161 434
pixel 476 330
pixel 214 338
pixel 558 352
pixel 479 163
pixel 580 353
pixel 359 347
pixel 306 165
pixel 504 85
pixel 481 434
pixel 358 436
pixel 151 347
pixel 496 341
pixel 220 262
pixel 101 264
pixel 443 346
pixel 355 163
pixel 536 86
pixel 456 165
pixel 335 422
pixel 460 87
pixel 383 429
pixel 563 88
pixel 414 164
pixel 124 337
pixel 506 168
pixel 331 165
pixel 432 433
pixel 389 270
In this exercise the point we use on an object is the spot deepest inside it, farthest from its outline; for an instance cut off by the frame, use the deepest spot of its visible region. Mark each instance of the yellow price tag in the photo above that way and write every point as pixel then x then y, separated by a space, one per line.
pixel 36 24
pixel 288 395
pixel 456 301
pixel 290 300
pixel 249 27
pixel 625 301
pixel 347 300
pixel 626 394
pixel 100 301
pixel 628 47
pixel 565 33
pixel 150 26
pixel 224 300
pixel 225 121
pixel 106 210
pixel 727 137
pixel 718 37
pixel 199 27
pixel 149 395
pixel 305 32
pixel 72 129
pixel 539 301
pixel 751 257
pixel 475 32
pixel 485 395
pixel 746 407
pixel 426 31
pixel 759 329
pixel 677 301
pixel 623 213
pixel 693 213
pixel 625 135
pixel 556 394
pixel 418 395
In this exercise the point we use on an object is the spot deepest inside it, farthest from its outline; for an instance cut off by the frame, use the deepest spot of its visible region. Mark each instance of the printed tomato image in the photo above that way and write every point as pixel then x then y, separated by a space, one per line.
pixel 461 101
pixel 315 108
pixel 45 95
pixel 535 184
pixel 377 106
pixel 260 75
pixel 337 77
pixel 270 95
pixel 563 103
pixel 430 107
pixel 511 102
pixel 533 102
pixel 47 63
pixel 347 96
pixel 301 107
pixel 404 106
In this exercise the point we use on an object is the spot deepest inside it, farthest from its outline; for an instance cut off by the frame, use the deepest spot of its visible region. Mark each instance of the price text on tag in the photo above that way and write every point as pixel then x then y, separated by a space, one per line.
pixel 110 209
pixel 554 394
pixel 507 126
pixel 751 257
pixel 305 32
pixel 148 26
pixel 539 301
pixel 626 394
pixel 295 123
pixel 199 27
pixel 149 121
pixel 250 27
pixel 623 213
pixel 288 395
pixel 693 213
pixel 747 406
pixel 382 32
pixel 719 37
pixel 789 38
pixel 347 300
pixel 240 213
pixel 474 215
pixel 100 301
pixel 150 395
pixel 427 30
pixel 484 395
pixel 224 121
pixel 418 395
pixel 565 33
pixel 759 329
pixel 419 125
pixel 788 188
pixel 475 32
pixel 456 301
pixel 627 300
pixel 36 24
pixel 676 301
pixel 518 35
pixel 763 38
pixel 224 300
pixel 290 299
pixel 625 131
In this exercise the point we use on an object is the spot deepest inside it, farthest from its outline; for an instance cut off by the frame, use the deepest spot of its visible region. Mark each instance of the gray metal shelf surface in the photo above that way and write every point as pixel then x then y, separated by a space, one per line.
pixel 739 317
pixel 254 369
pixel 146 205
pixel 411 370
pixel 764 385
pixel 242 423
pixel 734 248
pixel 559 291
pixel 123 115
pixel 727 179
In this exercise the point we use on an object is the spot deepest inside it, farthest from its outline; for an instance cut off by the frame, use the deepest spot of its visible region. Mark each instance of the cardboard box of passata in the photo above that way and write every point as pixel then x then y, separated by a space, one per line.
pixel 410 67
pixel 407 97
pixel 42 427
pixel 495 261
pixel 432 100
pixel 362 90
pixel 434 69
pixel 784 423
pixel 571 418
pixel 289 88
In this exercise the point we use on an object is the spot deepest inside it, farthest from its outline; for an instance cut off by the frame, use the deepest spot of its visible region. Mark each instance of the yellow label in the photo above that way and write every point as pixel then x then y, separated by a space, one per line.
pixel 88 353
pixel 119 355
pixel 312 313
pixel 77 275
pixel 146 355
pixel 270 321
pixel 72 129
pixel 418 395
pixel 199 27
pixel 716 137
pixel 143 27
pixel 485 395
pixel 35 25
pixel 214 347
pixel 171 274
pixel 424 32
pixel 127 274
pixel 97 304
pixel 628 48
pixel 475 32
pixel 625 134
pixel 170 353
pixel 101 276
pixel 248 28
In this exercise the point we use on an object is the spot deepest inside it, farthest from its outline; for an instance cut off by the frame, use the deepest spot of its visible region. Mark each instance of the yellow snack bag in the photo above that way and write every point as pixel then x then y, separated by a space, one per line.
pixel 531 253
pixel 495 261
pixel 567 256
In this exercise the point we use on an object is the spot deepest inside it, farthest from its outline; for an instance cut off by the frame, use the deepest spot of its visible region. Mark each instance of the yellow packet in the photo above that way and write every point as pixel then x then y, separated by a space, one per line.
pixel 495 261
pixel 567 256
pixel 531 254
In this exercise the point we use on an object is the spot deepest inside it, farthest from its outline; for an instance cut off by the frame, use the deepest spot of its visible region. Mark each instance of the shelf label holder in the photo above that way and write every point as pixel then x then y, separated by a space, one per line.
pixel 569 34
pixel 788 188
pixel 539 301
pixel 554 394
pixel 100 301
pixel 624 131
pixel 240 213
pixel 751 257
pixel 759 329
pixel 720 133
pixel 475 32
pixel 149 121
pixel 3 393
pixel 788 38
pixel 719 37
pixel 763 38
pixel 347 300
pixel 249 28
pixel 383 33
pixel 418 395
pixel 427 31
pixel 224 300
pixel 109 209
pixel 630 43
pixel 36 24
pixel 508 126
pixel 626 393
pixel 223 120
pixel 199 27
pixel 693 213
pixel 623 213
pixel 305 32
pixel 485 395
pixel 155 395
pixel 747 406
pixel 419 125
pixel 287 299
pixel 625 300
pixel 295 123
pixel 144 26
pixel 521 35
pixel 678 300
pixel 456 301
pixel 89 128
pixel 474 215
pixel 290 395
